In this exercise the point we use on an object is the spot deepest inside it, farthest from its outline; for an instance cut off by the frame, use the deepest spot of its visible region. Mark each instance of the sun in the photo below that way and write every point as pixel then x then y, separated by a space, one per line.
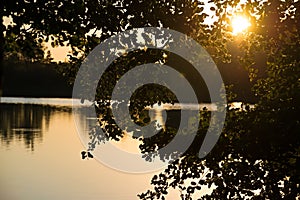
pixel 239 24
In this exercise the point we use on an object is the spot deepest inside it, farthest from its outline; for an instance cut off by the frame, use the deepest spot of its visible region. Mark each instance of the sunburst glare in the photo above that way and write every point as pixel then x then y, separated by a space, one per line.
pixel 239 24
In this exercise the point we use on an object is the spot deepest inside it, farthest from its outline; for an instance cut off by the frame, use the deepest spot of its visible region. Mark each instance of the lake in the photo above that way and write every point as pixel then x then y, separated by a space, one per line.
pixel 40 157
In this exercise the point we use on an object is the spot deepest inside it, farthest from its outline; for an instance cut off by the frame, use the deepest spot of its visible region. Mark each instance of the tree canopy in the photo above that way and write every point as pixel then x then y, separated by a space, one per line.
pixel 258 152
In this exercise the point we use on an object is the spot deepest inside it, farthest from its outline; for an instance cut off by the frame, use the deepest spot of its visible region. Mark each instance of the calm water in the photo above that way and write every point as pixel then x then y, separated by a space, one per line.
pixel 40 157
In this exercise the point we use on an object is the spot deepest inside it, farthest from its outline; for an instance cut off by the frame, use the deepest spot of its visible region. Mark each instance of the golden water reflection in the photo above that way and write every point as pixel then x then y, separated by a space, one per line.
pixel 40 159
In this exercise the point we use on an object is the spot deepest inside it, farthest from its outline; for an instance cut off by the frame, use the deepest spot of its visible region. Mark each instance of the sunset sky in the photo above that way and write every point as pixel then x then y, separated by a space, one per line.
pixel 239 24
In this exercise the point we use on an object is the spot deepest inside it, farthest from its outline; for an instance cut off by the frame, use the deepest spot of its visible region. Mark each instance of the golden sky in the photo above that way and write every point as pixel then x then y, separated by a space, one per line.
pixel 239 25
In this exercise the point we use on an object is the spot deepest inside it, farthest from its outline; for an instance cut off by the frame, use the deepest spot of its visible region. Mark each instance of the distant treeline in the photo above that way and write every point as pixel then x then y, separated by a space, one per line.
pixel 34 80
pixel 43 80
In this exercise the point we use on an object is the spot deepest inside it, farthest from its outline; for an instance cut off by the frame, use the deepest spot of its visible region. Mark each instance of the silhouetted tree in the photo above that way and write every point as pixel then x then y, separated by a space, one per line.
pixel 257 156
